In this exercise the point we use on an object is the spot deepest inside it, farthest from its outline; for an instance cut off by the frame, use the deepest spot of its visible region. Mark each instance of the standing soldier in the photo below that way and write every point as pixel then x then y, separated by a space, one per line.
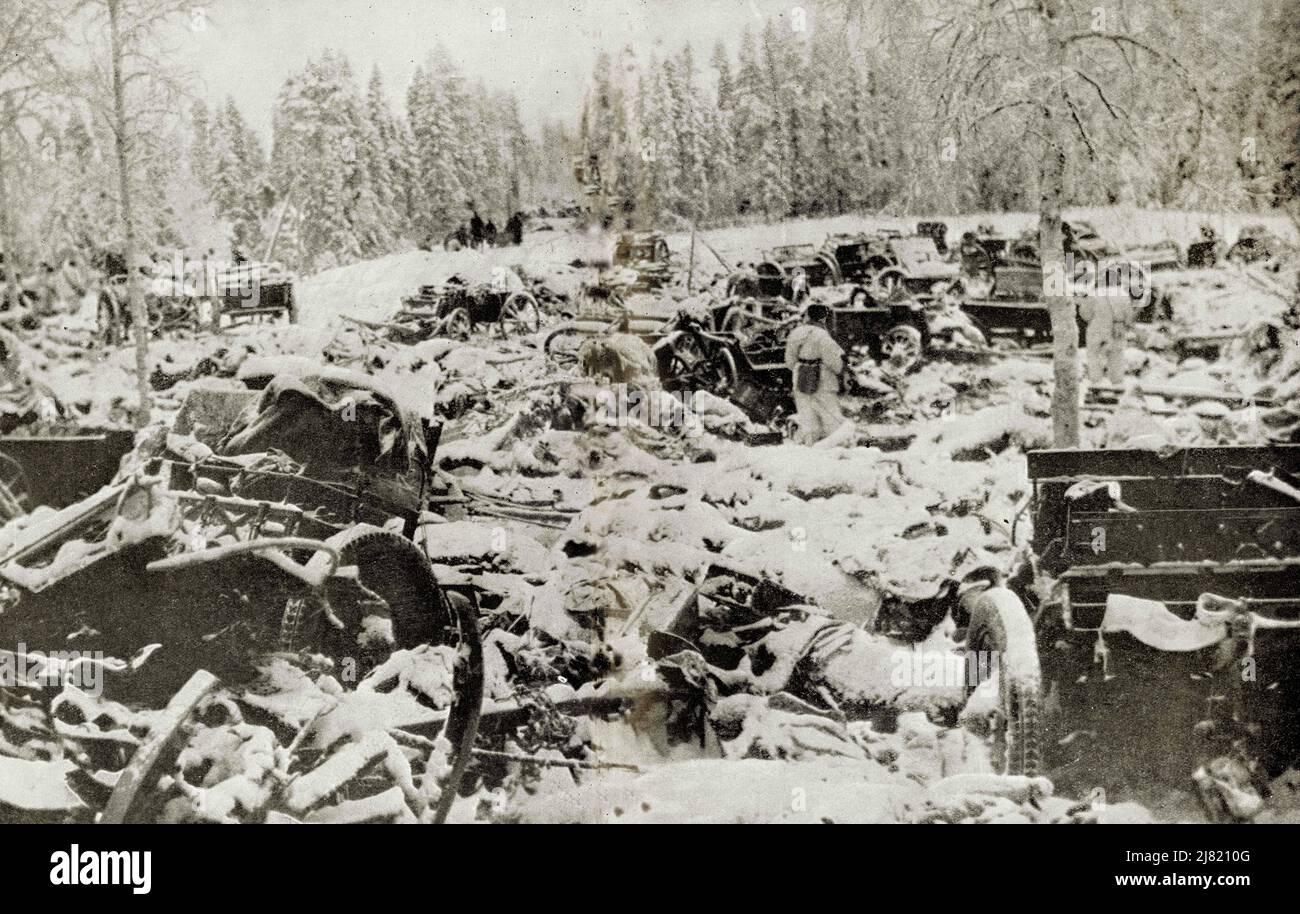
pixel 815 361
pixel 799 285
pixel 515 228
pixel 1108 313
pixel 490 233
pixel 475 229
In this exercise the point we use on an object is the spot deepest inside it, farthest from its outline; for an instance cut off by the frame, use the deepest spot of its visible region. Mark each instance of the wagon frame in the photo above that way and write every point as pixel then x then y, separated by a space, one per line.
pixel 457 310
pixel 1149 572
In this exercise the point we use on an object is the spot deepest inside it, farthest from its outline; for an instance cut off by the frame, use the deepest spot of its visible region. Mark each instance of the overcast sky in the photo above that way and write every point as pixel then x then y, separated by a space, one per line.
pixel 541 49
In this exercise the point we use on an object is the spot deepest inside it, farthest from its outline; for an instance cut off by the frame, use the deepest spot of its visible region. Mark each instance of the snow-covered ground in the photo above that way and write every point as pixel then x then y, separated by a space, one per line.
pixel 856 530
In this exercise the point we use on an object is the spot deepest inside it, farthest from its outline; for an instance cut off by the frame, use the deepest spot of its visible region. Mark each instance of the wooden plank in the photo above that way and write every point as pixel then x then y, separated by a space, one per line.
pixel 159 750
pixel 1216 535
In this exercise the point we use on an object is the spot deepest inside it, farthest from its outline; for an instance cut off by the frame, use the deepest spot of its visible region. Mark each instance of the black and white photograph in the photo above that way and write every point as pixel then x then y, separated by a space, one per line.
pixel 650 412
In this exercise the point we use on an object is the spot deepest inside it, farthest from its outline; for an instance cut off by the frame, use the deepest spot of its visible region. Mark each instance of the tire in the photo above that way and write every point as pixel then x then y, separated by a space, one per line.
pixel 458 325
pixel 832 270
pixel 520 315
pixel 1000 629
pixel 887 282
pixel 392 575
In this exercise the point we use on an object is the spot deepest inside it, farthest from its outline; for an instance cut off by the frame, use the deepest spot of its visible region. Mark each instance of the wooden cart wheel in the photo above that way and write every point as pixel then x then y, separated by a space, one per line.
pixel 1001 642
pixel 520 315
pixel 394 576
pixel 458 325
pixel 131 797
pixel 688 367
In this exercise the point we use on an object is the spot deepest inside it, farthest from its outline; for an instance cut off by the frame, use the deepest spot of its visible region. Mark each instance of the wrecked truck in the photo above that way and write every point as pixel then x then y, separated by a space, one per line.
pixel 295 532
pixel 1175 574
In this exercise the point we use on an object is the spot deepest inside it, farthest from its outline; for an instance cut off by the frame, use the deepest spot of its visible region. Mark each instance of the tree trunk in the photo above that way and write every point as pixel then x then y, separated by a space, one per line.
pixel 1061 306
pixel 139 318
pixel 10 276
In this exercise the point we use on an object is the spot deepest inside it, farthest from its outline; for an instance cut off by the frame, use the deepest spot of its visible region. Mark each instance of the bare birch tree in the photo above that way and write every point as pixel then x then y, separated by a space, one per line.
pixel 27 73
pixel 131 94
pixel 1066 77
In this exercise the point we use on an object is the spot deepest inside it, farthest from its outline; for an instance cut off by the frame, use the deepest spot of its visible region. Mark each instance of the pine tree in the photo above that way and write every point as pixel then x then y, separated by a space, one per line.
pixel 237 177
pixel 430 107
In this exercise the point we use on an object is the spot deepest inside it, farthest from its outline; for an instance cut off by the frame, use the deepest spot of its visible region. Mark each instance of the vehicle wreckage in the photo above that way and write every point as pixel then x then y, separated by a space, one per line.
pixel 745 359
pixel 176 301
pixel 646 257
pixel 458 308
pixel 287 523
pixel 1172 574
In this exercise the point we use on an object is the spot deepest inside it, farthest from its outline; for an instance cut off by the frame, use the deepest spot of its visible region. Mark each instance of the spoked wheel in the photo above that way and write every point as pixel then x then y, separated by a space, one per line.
pixel 689 367
pixel 458 325
pixel 901 348
pixel 393 581
pixel 1001 645
pixel 833 277
pixel 520 315
pixel 393 603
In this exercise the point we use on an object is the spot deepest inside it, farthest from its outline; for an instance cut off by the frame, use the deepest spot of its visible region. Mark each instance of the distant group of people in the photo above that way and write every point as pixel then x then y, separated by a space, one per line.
pixel 479 234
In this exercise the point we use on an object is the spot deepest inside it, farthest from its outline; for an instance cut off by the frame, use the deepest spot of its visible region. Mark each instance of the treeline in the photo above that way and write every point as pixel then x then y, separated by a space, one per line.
pixel 346 174
pixel 872 107
pixel 348 178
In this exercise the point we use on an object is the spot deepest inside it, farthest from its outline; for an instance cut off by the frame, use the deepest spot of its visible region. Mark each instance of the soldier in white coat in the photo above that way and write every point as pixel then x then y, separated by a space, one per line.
pixel 1108 314
pixel 815 361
